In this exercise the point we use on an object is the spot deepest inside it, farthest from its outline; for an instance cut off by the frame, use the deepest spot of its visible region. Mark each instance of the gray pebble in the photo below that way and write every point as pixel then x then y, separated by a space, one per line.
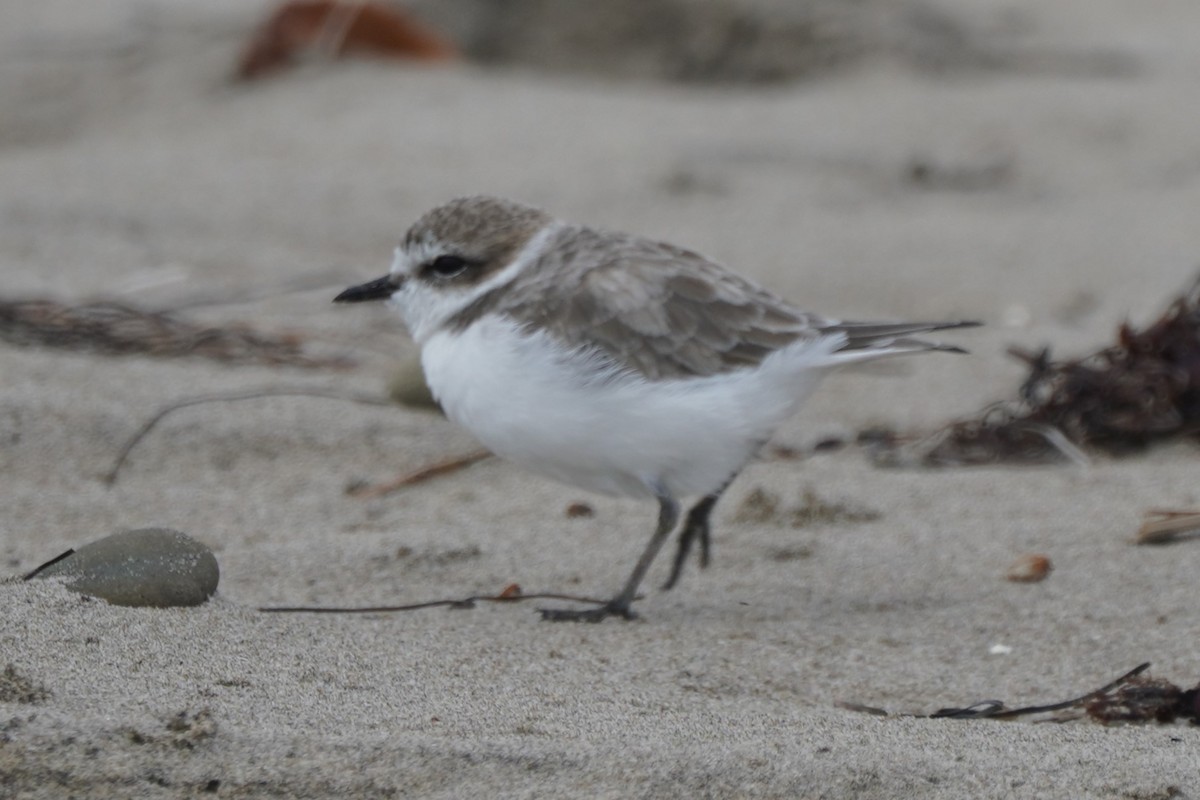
pixel 155 567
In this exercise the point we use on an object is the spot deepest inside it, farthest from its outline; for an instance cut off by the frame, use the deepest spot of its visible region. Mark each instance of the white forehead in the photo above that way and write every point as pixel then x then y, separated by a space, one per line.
pixel 409 256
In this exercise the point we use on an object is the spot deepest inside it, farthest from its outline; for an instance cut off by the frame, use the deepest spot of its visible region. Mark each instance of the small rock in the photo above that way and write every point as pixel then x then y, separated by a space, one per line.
pixel 1029 568
pixel 408 388
pixel 155 567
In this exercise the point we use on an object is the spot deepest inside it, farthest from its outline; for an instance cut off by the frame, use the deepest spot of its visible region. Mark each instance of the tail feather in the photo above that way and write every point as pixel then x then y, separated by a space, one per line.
pixel 870 340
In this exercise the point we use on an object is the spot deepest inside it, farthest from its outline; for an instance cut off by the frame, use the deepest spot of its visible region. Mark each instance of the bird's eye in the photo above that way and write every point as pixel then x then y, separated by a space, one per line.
pixel 446 267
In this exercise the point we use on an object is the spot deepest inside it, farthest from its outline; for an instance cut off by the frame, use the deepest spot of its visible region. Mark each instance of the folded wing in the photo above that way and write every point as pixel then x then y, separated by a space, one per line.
pixel 665 312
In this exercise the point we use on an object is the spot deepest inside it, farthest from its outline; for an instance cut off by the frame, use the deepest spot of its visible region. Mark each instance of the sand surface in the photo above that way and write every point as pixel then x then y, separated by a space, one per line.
pixel 1062 199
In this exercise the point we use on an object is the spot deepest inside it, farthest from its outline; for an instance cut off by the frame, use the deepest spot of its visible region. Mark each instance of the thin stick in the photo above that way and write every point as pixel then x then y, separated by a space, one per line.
pixel 421 474
pixel 466 602
pixel 111 476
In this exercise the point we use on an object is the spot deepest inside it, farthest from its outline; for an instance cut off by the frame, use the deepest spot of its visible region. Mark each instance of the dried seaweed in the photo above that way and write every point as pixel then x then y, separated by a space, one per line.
pixel 115 329
pixel 1133 698
pixel 1142 390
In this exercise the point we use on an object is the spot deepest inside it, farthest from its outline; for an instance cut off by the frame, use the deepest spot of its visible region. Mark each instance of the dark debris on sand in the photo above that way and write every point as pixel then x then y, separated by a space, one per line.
pixel 1142 390
pixel 1134 698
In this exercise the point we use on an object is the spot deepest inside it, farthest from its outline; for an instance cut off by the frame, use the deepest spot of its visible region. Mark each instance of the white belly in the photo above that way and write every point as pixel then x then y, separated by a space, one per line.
pixel 555 413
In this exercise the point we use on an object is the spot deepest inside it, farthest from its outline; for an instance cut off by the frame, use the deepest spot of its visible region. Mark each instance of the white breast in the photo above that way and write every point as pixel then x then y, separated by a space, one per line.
pixel 565 415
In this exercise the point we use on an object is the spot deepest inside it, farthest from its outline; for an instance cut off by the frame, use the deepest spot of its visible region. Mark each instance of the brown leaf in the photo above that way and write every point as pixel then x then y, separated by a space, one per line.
pixel 332 30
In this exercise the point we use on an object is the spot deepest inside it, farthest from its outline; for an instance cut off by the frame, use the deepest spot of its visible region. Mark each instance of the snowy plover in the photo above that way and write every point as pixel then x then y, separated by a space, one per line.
pixel 611 362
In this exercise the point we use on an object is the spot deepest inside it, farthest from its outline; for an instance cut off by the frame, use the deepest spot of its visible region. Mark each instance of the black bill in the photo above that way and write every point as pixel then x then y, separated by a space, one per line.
pixel 378 289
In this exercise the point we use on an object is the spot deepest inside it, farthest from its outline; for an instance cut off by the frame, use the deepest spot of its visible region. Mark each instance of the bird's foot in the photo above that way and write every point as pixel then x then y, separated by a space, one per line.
pixel 613 608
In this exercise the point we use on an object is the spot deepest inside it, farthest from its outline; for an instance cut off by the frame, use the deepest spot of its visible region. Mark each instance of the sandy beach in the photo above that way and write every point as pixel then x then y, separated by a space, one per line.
pixel 1051 193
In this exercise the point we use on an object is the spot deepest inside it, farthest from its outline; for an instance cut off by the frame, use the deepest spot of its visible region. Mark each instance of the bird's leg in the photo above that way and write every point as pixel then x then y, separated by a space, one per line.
pixel 620 606
pixel 695 527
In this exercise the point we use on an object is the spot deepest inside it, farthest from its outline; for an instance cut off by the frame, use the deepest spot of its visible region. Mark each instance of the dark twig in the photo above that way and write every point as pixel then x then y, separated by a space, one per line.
pixel 111 476
pixel 33 573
